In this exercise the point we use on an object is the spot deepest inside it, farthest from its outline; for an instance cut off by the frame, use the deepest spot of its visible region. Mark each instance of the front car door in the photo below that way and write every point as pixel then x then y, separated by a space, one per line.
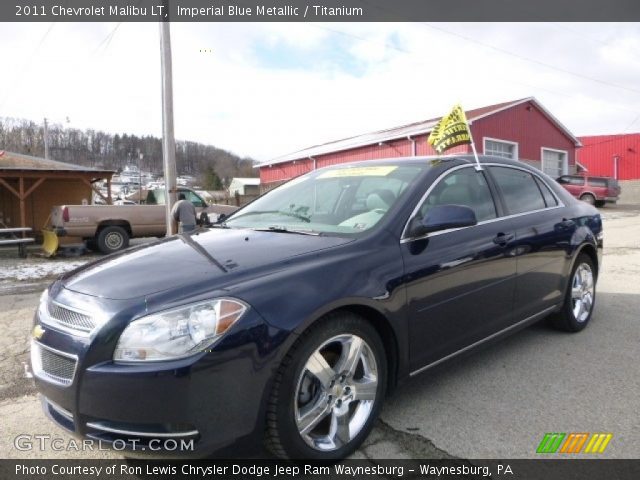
pixel 460 282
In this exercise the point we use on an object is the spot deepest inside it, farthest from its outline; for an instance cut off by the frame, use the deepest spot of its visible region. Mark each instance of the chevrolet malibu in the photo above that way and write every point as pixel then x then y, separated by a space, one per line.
pixel 291 321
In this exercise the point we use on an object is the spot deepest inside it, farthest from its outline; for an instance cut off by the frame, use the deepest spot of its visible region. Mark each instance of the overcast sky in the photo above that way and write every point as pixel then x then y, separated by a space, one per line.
pixel 266 89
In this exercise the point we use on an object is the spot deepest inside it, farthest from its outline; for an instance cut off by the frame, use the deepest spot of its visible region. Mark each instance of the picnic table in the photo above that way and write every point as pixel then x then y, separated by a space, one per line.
pixel 9 236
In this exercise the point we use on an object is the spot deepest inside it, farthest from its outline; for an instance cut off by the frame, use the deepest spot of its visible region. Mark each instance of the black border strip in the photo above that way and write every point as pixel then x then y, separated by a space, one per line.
pixel 319 10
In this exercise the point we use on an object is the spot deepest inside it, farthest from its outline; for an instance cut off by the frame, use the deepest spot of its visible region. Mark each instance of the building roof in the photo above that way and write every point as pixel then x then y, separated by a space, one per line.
pixel 18 161
pixel 246 180
pixel 404 131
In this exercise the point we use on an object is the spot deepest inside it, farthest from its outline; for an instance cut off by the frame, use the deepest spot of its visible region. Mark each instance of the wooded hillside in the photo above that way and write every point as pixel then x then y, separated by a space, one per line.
pixel 94 148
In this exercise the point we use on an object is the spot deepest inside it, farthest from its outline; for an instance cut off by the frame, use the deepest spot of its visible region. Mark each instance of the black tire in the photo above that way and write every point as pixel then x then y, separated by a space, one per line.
pixel 588 198
pixel 112 238
pixel 283 437
pixel 566 318
pixel 600 203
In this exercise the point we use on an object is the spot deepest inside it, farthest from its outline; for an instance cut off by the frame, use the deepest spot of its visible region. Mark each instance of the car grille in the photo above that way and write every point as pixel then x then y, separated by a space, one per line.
pixel 52 365
pixel 70 318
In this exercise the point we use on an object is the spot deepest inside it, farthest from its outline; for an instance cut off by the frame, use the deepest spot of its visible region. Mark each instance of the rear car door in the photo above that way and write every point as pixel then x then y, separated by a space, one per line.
pixel 460 283
pixel 543 237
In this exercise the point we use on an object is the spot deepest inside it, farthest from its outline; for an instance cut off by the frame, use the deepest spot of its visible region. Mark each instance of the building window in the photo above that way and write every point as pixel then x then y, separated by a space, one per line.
pixel 554 162
pixel 501 148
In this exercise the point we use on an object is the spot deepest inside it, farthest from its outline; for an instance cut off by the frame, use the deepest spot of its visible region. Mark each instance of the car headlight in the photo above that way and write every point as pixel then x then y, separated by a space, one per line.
pixel 179 332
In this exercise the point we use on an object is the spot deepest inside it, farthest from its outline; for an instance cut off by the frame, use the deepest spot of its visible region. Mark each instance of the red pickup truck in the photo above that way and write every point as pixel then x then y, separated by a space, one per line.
pixel 594 190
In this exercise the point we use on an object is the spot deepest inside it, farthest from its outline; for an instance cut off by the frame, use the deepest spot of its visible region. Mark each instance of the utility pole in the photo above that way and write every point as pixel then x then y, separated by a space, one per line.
pixel 46 139
pixel 168 139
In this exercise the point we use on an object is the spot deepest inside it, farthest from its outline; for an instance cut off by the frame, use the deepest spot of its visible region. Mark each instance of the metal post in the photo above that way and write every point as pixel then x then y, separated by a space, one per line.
pixel 475 153
pixel 140 156
pixel 168 140
pixel 46 139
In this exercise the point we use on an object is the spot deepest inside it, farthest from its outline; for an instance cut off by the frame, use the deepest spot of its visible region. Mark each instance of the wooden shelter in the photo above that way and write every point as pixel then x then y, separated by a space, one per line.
pixel 31 186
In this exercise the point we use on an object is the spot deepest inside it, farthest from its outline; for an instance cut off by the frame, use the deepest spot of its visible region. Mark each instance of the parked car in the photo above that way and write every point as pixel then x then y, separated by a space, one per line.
pixel 108 228
pixel 593 190
pixel 291 321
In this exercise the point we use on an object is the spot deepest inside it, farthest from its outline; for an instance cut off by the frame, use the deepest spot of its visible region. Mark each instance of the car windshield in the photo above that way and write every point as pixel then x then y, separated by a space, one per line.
pixel 339 200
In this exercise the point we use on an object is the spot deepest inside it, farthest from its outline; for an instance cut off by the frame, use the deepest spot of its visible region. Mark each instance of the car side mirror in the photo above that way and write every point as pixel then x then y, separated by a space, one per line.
pixel 443 217
pixel 221 218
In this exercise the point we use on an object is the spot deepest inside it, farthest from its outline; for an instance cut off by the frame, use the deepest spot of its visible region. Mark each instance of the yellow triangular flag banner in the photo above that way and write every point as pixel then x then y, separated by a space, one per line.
pixel 451 131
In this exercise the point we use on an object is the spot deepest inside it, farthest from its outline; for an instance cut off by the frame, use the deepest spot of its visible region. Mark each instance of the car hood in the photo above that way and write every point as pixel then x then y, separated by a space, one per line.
pixel 218 255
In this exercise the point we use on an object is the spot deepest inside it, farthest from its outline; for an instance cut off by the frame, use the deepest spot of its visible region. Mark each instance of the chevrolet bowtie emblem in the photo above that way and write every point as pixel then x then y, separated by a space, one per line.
pixel 37 332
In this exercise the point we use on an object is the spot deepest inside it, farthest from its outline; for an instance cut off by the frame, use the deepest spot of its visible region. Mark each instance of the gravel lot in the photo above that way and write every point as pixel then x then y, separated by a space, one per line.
pixel 497 403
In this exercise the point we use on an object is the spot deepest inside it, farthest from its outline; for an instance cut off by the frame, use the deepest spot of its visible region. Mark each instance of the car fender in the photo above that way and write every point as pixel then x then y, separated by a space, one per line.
pixel 583 239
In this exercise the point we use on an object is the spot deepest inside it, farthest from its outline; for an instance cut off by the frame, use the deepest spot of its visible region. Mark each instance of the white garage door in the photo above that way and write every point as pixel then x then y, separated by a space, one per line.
pixel 554 162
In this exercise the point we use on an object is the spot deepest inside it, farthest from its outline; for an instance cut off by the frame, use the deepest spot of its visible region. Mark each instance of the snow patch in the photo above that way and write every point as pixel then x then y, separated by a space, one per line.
pixel 33 271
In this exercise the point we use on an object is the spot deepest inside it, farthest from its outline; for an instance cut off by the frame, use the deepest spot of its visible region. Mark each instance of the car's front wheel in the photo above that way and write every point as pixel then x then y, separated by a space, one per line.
pixel 328 390
pixel 580 297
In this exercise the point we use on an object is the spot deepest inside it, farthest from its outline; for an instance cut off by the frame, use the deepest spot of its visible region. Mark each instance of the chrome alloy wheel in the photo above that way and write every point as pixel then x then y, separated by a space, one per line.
pixel 582 292
pixel 336 392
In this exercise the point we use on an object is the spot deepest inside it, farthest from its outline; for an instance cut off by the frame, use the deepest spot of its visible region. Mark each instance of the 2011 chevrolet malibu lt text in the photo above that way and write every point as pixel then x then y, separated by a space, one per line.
pixel 291 321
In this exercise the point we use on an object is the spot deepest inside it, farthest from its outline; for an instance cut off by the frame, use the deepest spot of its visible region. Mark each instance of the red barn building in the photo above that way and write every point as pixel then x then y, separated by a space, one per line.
pixel 615 156
pixel 521 129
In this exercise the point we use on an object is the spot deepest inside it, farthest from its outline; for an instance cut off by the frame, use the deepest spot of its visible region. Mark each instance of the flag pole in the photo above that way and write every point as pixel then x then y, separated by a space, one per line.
pixel 475 153
pixel 473 144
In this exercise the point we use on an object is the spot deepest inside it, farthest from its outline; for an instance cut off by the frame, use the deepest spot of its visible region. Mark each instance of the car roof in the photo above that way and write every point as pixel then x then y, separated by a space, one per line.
pixel 454 159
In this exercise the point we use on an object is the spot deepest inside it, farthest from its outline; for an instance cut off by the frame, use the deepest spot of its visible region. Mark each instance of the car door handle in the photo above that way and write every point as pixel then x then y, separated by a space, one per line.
pixel 503 238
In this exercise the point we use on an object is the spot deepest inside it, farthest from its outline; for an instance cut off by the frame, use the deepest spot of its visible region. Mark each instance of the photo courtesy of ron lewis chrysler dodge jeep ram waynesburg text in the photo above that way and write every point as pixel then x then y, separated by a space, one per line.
pixel 291 321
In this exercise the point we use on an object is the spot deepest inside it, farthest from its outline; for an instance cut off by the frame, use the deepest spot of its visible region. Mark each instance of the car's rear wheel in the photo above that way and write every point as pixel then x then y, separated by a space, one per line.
pixel 587 197
pixel 328 390
pixel 580 297
pixel 112 238
pixel 600 203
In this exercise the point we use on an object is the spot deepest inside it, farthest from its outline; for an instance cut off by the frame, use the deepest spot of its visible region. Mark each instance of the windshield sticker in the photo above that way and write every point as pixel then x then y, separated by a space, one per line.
pixel 377 171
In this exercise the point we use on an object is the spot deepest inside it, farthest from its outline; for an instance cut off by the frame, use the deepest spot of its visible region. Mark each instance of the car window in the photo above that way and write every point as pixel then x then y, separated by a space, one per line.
pixel 549 198
pixel 326 197
pixel 569 180
pixel 387 187
pixel 155 197
pixel 193 198
pixel 598 182
pixel 466 187
pixel 331 200
pixel 519 190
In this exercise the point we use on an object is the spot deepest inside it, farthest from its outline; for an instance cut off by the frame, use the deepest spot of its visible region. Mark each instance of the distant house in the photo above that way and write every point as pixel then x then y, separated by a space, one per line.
pixel 522 130
pixel 244 186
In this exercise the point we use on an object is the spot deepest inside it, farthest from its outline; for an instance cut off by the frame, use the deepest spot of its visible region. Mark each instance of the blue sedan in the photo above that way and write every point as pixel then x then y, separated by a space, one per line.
pixel 290 321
